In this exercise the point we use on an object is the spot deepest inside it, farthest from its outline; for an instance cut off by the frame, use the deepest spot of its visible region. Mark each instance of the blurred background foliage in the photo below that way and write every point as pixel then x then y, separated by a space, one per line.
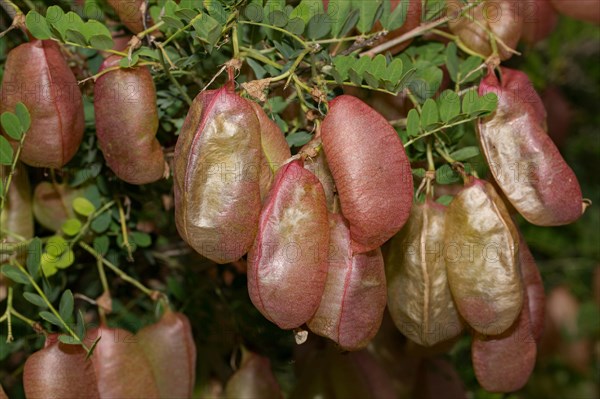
pixel 564 69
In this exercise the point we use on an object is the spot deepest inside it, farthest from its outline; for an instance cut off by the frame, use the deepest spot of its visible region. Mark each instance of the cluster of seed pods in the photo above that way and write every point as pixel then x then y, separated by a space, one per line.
pixel 157 362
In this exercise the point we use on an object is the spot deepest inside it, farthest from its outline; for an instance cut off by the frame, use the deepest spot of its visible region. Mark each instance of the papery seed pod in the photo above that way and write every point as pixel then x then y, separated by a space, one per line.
pixel 370 169
pixel 419 297
pixel 129 13
pixel 127 121
pixel 501 17
pixel 17 215
pixel 584 10
pixel 481 253
pixel 275 149
pixel 59 371
pixel 503 363
pixel 287 265
pixel 354 298
pixel 253 380
pixel 532 280
pixel 171 351
pixel 122 369
pixel 52 204
pixel 522 157
pixel 216 173
pixel 2 393
pixel 317 164
pixel 438 378
pixel 37 74
pixel 539 20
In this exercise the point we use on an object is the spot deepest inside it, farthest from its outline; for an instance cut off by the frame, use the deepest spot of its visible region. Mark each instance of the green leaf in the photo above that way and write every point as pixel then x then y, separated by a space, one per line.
pixel 358 68
pixel 445 200
pixel 413 123
pixel 101 245
pixel 465 153
pixel 452 61
pixel 419 172
pixel 65 308
pixel 466 74
pixel 342 65
pixel 101 223
pixel 318 26
pixel 296 26
pixel 11 125
pixel 35 299
pixel 446 175
pixel 449 106
pixel 142 240
pixel 469 102
pixel 376 71
pixel 350 23
pixel 298 139
pixel 65 260
pixel 397 17
pixel 71 227
pixel 34 254
pixel 23 115
pixel 15 274
pixel 6 152
pixel 208 29
pixel 172 22
pixel 37 25
pixel 56 246
pixel 48 267
pixel 429 114
pixel 338 11
pixel 277 18
pixel 369 12
pixel 51 318
pixel 102 42
pixel 83 206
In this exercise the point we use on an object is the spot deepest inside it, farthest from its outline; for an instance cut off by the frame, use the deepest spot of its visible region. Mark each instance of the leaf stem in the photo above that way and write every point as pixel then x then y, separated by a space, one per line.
pixel 290 34
pixel 13 166
pixel 152 294
pixel 429 133
pixel 124 232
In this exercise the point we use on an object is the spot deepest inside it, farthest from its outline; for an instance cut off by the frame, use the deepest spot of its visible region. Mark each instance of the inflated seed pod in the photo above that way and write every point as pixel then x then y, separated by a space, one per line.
pixel 354 298
pixel 216 173
pixel 584 10
pixel 482 264
pixel 532 280
pixel 317 164
pixel 539 20
pixel 169 346
pixel 2 393
pixel 52 204
pixel 287 265
pixel 419 298
pixel 499 16
pixel 17 215
pixel 523 159
pixel 127 121
pixel 129 13
pixel 253 380
pixel 59 371
pixel 503 363
pixel 37 74
pixel 121 366
pixel 370 169
pixel 275 149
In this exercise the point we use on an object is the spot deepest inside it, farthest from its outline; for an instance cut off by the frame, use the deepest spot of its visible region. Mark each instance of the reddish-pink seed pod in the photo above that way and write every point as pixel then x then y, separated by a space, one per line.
pixel 503 363
pixel 539 20
pixel 171 351
pixel 127 121
pixel 59 371
pixel 216 171
pixel 523 159
pixel 130 13
pixel 370 169
pixel 253 380
pixel 37 74
pixel 287 265
pixel 354 298
pixel 532 280
pixel 122 369
pixel 584 10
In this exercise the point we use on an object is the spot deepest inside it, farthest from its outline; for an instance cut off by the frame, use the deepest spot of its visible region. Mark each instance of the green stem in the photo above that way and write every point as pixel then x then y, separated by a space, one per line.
pixel 333 82
pixel 124 232
pixel 249 52
pixel 414 100
pixel 13 166
pixel 290 34
pixel 84 229
pixel 235 41
pixel 150 29
pixel 49 304
pixel 122 54
pixel 181 30
pixel 290 72
pixel 167 70
pixel 119 272
pixel 429 133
